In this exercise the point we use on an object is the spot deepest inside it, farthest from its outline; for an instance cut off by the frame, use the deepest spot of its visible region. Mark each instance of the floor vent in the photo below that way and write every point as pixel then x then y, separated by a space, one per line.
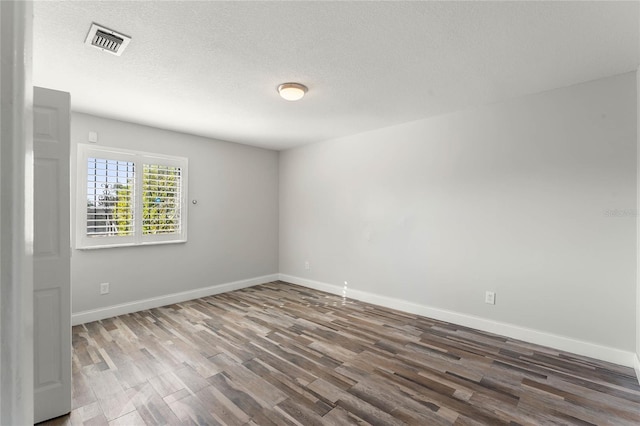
pixel 107 40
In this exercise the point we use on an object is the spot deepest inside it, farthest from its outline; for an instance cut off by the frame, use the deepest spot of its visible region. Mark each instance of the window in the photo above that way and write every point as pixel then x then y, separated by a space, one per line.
pixel 129 198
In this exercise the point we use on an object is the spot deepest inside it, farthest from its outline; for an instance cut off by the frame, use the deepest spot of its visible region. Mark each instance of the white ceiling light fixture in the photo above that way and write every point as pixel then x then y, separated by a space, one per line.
pixel 292 91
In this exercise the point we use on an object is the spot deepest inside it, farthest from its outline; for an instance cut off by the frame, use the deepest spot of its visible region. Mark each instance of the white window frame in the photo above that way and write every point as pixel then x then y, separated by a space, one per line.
pixel 138 158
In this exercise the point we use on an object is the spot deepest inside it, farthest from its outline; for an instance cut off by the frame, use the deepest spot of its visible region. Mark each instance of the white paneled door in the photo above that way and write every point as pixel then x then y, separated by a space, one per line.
pixel 52 255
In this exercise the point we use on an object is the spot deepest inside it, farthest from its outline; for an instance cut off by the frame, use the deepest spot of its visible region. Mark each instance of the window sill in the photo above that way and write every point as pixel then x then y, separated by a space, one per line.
pixel 147 243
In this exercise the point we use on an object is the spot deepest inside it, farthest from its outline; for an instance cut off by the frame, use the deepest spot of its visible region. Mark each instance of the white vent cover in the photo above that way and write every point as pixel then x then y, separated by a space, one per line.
pixel 106 40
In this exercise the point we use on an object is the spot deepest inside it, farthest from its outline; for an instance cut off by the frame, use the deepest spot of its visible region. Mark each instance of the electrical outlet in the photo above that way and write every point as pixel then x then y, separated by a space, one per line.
pixel 490 298
pixel 307 266
pixel 104 288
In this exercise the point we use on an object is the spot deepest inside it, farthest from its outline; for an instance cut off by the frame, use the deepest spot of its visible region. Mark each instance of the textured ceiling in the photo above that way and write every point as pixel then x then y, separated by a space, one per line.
pixel 212 68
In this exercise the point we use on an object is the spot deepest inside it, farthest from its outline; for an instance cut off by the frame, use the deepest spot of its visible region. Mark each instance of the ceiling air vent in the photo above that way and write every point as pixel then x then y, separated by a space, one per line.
pixel 107 40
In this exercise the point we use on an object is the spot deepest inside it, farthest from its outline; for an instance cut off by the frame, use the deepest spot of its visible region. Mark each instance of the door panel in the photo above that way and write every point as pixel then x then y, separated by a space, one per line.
pixel 48 333
pixel 47 236
pixel 52 255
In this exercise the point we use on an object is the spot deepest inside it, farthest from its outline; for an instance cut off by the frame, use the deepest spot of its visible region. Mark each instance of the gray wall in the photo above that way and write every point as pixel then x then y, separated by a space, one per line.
pixel 532 198
pixel 232 231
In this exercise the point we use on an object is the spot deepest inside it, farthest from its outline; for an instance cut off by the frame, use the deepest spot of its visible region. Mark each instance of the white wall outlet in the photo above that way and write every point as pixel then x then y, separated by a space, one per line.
pixel 104 288
pixel 490 298
pixel 307 266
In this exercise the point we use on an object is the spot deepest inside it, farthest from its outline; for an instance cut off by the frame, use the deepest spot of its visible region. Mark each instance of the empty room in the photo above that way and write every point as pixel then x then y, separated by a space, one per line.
pixel 319 213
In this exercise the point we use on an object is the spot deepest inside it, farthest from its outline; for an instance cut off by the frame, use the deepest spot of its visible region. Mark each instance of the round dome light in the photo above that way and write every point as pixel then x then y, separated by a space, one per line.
pixel 292 91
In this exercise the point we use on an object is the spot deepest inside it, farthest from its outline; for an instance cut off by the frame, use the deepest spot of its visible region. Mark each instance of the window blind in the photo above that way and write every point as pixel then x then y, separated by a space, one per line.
pixel 161 199
pixel 110 187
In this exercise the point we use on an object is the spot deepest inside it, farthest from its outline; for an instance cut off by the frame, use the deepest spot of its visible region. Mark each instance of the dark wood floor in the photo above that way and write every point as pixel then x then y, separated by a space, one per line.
pixel 282 354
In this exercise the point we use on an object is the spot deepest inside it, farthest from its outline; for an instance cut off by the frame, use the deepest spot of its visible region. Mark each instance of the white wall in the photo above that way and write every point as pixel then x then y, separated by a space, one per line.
pixel 232 231
pixel 637 359
pixel 533 198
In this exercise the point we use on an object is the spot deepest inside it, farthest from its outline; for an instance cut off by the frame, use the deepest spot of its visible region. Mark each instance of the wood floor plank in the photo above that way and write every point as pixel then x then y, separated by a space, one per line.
pixel 150 405
pixel 216 402
pixel 280 354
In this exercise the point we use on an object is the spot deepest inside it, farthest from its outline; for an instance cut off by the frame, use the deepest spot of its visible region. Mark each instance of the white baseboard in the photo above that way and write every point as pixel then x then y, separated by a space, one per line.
pixel 636 366
pixel 155 302
pixel 563 343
